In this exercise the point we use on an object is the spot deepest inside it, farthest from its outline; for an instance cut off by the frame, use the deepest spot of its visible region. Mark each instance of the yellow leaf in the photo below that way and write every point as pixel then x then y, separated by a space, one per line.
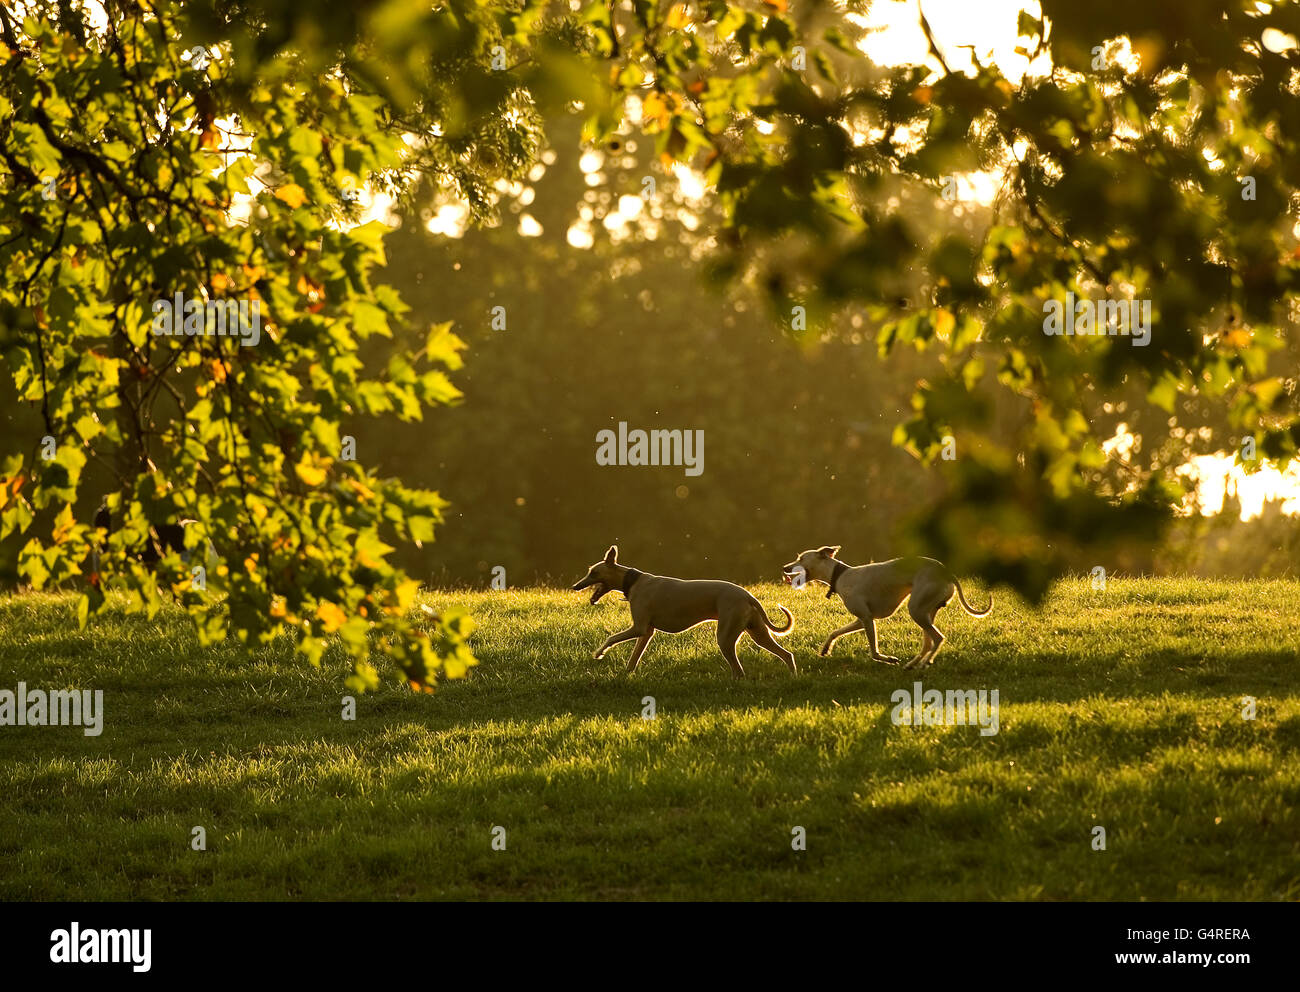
pixel 406 592
pixel 454 667
pixel 655 108
pixel 361 489
pixel 292 194
pixel 277 607
pixel 780 6
pixel 63 524
pixel 1267 391
pixel 309 474
pixel 944 322
pixel 331 616
pixel 678 18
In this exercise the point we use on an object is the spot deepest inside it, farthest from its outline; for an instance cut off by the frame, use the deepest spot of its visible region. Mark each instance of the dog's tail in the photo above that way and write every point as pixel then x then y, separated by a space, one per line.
pixel 967 607
pixel 789 620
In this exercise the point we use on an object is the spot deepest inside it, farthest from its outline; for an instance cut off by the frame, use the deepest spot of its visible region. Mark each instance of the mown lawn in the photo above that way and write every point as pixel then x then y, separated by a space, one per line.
pixel 1119 708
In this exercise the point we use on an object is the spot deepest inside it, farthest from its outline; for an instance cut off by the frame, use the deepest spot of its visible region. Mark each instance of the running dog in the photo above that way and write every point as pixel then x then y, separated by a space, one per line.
pixel 659 602
pixel 873 592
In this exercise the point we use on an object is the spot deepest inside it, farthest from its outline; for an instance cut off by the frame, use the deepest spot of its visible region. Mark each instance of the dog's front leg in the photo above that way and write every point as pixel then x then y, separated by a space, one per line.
pixel 619 638
pixel 884 659
pixel 638 651
pixel 848 628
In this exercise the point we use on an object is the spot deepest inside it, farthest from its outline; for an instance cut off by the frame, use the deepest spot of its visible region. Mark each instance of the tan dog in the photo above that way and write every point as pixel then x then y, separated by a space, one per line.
pixel 873 592
pixel 673 605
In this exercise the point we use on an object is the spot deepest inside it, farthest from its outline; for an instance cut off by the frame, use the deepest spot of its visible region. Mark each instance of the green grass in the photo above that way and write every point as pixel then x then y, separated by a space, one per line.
pixel 1118 708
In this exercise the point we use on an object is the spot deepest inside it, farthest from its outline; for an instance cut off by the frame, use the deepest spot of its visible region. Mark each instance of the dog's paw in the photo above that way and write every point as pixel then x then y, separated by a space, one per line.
pixel 887 659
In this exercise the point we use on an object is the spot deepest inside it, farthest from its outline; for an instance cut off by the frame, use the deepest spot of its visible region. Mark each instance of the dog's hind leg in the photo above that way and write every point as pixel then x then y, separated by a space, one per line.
pixel 639 650
pixel 933 640
pixel 764 639
pixel 936 640
pixel 728 635
pixel 619 638
pixel 925 649
pixel 848 628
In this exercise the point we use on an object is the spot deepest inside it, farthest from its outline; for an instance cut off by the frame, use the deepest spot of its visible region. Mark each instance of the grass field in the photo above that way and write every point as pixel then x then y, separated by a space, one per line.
pixel 1119 708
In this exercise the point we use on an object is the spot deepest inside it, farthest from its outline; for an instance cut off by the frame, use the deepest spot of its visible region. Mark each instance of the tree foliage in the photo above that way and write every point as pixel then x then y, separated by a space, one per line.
pixel 210 149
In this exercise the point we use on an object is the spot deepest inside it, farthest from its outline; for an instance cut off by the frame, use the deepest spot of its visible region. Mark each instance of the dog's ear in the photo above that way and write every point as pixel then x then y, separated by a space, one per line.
pixel 611 555
pixel 828 551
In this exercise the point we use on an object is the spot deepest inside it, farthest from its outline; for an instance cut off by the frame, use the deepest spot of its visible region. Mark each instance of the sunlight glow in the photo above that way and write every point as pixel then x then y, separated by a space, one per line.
pixel 988 27
pixel 1218 474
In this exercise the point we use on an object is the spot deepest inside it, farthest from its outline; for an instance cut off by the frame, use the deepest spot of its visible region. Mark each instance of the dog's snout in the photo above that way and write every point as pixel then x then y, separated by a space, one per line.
pixel 582 583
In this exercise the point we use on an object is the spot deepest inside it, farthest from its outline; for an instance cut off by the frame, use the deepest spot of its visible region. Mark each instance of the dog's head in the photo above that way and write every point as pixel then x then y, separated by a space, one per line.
pixel 811 564
pixel 605 575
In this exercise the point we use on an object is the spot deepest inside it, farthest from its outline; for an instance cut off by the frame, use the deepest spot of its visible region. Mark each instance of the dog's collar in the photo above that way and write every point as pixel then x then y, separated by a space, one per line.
pixel 839 569
pixel 630 579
